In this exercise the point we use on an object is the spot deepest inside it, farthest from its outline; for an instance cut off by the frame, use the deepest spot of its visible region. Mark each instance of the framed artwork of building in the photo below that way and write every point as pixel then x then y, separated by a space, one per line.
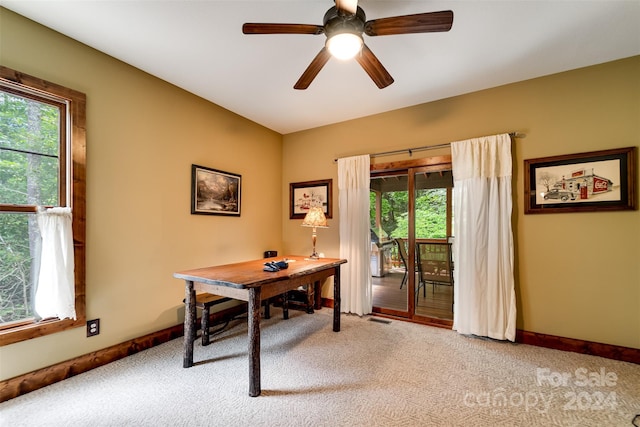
pixel 583 182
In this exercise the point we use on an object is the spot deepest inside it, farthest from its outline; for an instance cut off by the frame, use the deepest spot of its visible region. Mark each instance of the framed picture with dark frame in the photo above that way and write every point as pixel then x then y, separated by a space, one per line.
pixel 214 192
pixel 304 195
pixel 584 182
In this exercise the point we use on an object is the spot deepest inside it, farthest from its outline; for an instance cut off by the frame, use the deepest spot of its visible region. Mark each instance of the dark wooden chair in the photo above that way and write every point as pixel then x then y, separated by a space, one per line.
pixel 204 302
pixel 303 298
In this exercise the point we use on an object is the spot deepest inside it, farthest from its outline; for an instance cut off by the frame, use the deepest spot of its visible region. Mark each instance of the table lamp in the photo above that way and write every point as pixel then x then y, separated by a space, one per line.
pixel 314 218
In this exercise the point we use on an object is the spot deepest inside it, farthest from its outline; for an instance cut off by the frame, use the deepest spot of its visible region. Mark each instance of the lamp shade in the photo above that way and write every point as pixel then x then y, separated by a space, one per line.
pixel 315 218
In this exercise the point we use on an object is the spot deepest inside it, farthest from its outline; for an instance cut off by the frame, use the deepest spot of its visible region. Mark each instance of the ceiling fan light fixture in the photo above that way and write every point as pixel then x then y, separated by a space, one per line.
pixel 344 29
pixel 344 45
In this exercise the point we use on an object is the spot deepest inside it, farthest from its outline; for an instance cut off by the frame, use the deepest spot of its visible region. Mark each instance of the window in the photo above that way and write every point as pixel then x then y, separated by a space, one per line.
pixel 42 163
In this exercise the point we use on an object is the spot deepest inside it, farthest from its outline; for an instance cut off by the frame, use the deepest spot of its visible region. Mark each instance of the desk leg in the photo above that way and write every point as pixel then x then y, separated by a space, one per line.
pixel 336 300
pixel 317 292
pixel 285 305
pixel 253 312
pixel 267 308
pixel 311 298
pixel 189 323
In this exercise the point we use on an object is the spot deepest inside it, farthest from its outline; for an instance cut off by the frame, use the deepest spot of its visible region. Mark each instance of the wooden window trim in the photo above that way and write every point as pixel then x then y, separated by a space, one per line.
pixel 434 164
pixel 76 102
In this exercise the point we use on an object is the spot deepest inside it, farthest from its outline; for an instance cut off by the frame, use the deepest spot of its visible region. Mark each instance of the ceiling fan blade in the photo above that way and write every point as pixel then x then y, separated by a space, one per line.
pixel 431 22
pixel 313 69
pixel 374 68
pixel 258 28
pixel 347 5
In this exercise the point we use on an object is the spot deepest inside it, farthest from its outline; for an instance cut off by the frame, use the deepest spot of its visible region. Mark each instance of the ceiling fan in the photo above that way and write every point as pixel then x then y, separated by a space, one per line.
pixel 344 25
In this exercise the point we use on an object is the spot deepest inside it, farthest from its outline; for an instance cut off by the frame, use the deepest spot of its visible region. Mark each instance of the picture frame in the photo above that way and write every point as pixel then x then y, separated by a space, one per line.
pixel 583 182
pixel 304 195
pixel 215 192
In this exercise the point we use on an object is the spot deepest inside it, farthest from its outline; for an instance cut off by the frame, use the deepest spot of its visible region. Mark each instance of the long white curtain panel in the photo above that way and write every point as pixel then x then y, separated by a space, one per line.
pixel 484 302
pixel 355 237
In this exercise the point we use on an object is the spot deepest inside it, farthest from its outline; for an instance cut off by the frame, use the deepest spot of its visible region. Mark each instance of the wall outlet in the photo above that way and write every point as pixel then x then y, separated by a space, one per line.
pixel 93 327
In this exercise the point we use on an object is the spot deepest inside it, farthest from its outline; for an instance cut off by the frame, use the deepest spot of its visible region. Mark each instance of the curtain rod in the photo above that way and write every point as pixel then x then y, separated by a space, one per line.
pixel 429 147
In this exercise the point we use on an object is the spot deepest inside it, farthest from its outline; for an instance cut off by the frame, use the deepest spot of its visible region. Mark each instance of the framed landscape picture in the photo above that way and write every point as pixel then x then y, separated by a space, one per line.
pixel 583 182
pixel 214 192
pixel 304 195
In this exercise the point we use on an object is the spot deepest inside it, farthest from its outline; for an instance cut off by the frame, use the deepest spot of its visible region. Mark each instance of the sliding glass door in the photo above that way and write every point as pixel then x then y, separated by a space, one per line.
pixel 389 215
pixel 411 214
pixel 433 238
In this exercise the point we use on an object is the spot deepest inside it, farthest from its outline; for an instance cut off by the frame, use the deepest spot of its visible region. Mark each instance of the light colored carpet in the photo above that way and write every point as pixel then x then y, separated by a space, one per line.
pixel 369 374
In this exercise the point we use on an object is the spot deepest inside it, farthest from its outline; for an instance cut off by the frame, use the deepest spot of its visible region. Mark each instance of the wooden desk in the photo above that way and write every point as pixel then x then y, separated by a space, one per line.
pixel 246 281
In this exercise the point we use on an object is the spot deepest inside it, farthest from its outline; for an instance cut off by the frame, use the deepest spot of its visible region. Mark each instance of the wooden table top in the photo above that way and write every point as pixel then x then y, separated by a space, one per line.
pixel 250 274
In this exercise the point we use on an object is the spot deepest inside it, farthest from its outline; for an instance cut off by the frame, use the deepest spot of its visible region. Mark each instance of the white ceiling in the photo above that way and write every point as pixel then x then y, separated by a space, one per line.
pixel 199 46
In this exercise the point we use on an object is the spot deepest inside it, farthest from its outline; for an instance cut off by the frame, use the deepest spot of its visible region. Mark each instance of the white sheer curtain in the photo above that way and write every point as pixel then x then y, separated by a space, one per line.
pixel 355 238
pixel 484 302
pixel 55 291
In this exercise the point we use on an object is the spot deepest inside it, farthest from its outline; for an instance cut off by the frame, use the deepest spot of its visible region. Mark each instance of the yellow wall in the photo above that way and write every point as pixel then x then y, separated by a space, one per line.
pixel 578 274
pixel 143 135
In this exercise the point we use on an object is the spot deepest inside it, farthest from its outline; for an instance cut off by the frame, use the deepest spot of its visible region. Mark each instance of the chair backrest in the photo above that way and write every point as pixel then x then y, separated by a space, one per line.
pixel 402 251
pixel 434 262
